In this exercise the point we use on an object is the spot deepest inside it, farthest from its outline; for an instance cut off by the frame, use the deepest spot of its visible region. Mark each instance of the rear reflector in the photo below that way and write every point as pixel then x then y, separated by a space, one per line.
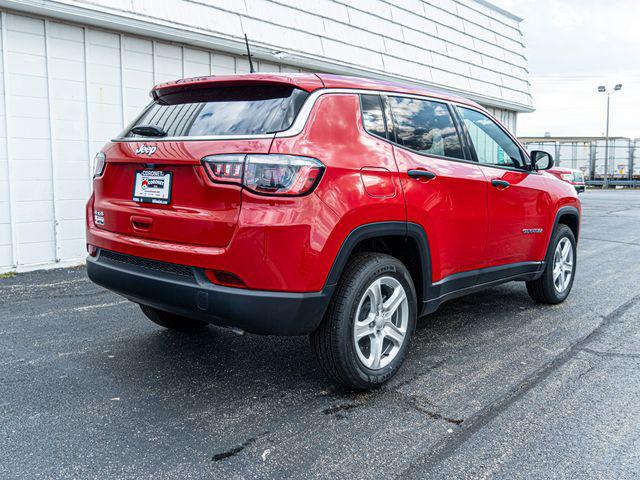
pixel 92 250
pixel 228 279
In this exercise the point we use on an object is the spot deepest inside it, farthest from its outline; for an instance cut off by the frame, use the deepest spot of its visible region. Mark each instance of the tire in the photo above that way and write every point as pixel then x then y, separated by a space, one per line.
pixel 172 321
pixel 355 364
pixel 546 288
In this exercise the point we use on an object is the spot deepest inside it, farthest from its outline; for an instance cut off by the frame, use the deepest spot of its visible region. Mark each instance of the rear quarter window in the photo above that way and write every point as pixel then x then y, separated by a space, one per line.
pixel 372 116
pixel 254 110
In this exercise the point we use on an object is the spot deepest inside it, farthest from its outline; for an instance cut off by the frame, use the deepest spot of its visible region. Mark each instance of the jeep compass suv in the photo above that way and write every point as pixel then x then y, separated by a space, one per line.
pixel 337 207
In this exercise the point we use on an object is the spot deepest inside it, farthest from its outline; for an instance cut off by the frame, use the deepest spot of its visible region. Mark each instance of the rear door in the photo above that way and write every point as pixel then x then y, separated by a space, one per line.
pixel 156 187
pixel 444 190
pixel 519 205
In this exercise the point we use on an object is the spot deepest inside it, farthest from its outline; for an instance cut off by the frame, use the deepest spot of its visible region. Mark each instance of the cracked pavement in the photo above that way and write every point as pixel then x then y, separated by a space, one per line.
pixel 494 386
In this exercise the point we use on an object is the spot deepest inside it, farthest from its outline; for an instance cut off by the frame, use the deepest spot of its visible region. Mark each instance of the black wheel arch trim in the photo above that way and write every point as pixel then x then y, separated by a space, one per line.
pixel 383 229
pixel 562 211
pixel 568 210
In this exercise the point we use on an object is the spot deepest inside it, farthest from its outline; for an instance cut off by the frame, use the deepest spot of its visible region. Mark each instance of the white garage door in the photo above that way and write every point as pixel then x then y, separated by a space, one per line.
pixel 64 91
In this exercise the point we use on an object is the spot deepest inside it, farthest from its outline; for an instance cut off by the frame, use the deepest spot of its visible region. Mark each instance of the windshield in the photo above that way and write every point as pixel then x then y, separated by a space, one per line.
pixel 251 110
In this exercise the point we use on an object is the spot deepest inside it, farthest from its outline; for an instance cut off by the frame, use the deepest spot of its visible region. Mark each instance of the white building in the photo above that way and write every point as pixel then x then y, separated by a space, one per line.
pixel 74 72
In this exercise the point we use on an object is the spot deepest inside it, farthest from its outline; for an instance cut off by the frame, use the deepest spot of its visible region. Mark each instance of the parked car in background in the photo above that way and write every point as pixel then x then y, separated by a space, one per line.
pixel 570 175
pixel 338 207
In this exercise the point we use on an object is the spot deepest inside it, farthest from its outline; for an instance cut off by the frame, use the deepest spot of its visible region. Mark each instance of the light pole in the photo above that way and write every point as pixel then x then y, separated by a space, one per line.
pixel 603 89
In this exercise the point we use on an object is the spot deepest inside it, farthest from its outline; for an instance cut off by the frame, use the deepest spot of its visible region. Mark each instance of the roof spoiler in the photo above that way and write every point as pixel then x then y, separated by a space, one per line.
pixel 304 81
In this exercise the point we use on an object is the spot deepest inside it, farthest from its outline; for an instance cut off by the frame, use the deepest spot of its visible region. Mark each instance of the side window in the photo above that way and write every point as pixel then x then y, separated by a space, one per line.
pixel 426 127
pixel 493 146
pixel 372 117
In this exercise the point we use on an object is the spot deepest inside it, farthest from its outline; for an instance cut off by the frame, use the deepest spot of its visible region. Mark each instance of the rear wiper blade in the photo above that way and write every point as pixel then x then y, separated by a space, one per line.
pixel 149 131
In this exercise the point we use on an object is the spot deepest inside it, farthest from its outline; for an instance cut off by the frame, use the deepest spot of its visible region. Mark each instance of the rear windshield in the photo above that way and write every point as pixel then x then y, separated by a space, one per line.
pixel 223 111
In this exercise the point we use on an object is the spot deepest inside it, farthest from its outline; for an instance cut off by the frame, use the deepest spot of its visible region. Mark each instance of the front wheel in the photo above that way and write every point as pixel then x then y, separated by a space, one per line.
pixel 364 337
pixel 557 279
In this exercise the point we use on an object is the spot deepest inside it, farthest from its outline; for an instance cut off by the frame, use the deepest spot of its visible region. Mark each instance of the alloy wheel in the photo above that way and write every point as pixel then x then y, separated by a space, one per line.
pixel 381 323
pixel 562 265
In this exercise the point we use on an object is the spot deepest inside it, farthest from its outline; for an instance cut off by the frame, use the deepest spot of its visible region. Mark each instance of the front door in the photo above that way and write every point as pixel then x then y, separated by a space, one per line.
pixel 519 205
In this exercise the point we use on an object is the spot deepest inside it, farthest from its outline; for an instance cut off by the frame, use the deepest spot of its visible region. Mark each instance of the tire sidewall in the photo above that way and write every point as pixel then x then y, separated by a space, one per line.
pixel 391 267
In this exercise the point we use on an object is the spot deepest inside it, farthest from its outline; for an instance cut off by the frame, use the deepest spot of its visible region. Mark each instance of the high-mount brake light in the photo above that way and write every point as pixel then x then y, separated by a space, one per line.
pixel 282 175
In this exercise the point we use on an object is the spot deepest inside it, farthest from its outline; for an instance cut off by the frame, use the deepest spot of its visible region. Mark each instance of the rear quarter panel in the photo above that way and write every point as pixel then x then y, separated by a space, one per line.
pixel 360 184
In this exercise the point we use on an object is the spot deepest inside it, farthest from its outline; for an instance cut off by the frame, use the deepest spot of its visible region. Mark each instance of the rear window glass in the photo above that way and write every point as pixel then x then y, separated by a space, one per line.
pixel 224 111
pixel 426 127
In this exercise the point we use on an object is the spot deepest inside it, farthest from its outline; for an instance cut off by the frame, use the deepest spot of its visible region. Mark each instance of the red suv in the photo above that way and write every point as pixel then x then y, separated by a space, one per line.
pixel 338 207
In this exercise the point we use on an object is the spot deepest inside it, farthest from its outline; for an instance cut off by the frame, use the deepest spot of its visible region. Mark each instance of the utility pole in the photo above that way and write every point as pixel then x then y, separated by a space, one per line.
pixel 606 147
pixel 603 89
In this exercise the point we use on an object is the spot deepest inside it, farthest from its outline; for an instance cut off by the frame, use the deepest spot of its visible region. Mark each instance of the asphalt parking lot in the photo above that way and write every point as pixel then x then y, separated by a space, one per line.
pixel 495 386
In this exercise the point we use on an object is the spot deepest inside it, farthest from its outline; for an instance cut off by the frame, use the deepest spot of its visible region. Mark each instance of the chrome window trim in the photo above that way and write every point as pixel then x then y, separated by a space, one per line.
pixel 301 119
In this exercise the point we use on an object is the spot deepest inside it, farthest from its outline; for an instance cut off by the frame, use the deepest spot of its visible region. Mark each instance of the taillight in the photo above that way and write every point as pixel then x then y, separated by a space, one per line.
pixel 225 168
pixel 288 175
pixel 98 164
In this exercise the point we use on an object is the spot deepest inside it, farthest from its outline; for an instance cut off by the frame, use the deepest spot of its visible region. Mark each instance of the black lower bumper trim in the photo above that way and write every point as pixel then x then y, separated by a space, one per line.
pixel 255 311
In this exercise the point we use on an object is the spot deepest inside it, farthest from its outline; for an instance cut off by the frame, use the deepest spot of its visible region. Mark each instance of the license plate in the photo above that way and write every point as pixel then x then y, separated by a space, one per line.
pixel 152 186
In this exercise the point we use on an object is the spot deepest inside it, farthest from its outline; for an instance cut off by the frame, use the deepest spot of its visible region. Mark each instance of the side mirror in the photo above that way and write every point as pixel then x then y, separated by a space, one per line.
pixel 541 160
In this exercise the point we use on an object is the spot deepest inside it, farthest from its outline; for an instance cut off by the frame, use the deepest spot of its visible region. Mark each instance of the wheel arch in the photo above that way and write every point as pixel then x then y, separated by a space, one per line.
pixel 569 216
pixel 405 240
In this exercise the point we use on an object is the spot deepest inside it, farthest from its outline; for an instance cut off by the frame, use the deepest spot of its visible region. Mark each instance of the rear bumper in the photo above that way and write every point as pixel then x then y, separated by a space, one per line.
pixel 187 291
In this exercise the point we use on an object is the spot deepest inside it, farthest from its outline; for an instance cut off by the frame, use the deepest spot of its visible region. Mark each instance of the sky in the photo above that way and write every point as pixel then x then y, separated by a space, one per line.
pixel 572 47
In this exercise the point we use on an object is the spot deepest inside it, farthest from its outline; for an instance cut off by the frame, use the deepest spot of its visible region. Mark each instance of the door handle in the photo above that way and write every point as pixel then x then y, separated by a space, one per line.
pixel 500 183
pixel 426 174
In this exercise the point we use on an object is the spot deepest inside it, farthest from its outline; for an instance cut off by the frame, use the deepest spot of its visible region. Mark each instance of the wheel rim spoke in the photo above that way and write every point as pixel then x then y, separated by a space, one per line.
pixel 393 333
pixel 375 293
pixel 393 303
pixel 376 352
pixel 364 329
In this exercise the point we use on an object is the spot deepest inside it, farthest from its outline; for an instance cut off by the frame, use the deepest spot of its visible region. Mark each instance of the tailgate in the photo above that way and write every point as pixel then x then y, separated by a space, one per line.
pixel 198 211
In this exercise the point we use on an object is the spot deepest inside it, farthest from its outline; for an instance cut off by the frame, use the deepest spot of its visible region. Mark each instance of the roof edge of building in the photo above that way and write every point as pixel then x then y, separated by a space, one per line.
pixel 493 6
pixel 106 18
